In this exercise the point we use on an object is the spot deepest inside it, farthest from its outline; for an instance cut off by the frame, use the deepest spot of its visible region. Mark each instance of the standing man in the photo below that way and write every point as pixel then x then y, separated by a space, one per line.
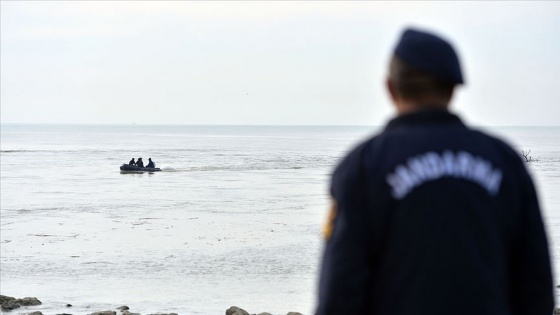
pixel 430 217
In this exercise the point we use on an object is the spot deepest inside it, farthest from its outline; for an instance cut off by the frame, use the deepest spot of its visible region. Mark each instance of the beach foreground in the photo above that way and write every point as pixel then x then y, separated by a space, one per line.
pixel 28 306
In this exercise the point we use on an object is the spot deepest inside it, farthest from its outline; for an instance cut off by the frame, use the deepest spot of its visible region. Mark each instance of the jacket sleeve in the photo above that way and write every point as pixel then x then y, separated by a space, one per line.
pixel 532 288
pixel 345 277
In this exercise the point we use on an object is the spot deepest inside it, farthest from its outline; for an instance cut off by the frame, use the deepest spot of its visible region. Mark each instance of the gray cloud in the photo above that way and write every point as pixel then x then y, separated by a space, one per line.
pixel 265 62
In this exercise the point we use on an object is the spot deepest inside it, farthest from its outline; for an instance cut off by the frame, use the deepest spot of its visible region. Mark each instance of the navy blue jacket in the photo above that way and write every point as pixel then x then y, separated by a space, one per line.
pixel 434 218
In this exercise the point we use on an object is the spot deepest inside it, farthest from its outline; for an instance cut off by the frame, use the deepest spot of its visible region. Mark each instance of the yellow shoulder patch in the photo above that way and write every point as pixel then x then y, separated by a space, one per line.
pixel 329 226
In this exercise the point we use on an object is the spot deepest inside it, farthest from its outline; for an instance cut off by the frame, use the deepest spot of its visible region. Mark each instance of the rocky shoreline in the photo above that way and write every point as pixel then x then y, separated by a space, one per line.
pixel 9 303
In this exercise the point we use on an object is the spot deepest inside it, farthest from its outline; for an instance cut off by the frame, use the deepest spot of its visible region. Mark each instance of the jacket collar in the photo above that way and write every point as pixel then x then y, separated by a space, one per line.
pixel 424 117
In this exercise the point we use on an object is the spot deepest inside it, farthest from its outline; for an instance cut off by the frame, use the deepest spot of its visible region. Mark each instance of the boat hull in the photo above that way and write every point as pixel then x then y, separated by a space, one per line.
pixel 134 168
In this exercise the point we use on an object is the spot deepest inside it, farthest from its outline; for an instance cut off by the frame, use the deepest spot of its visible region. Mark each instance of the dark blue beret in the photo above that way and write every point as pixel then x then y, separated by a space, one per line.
pixel 431 54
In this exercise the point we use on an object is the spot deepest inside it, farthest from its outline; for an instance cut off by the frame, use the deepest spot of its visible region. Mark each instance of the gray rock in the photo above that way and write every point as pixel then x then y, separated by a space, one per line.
pixel 234 310
pixel 35 313
pixel 125 312
pixel 264 313
pixel 104 313
pixel 163 314
pixel 9 305
pixel 5 298
pixel 556 311
pixel 123 308
pixel 294 313
pixel 63 314
pixel 68 305
pixel 28 301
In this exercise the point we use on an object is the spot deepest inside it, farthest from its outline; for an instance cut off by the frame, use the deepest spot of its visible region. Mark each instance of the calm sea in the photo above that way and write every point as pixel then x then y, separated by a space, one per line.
pixel 234 218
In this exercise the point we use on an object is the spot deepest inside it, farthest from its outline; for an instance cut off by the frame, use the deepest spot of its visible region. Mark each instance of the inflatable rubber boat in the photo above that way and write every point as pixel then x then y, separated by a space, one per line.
pixel 134 168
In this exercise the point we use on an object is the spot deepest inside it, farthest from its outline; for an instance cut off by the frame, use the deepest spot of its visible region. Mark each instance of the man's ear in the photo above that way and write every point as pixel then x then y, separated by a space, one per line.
pixel 391 89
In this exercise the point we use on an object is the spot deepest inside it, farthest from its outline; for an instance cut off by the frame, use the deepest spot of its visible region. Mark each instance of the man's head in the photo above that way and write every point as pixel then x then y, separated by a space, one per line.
pixel 423 72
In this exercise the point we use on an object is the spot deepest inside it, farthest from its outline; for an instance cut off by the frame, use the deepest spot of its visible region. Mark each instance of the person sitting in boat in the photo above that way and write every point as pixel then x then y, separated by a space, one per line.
pixel 139 163
pixel 151 164
pixel 132 162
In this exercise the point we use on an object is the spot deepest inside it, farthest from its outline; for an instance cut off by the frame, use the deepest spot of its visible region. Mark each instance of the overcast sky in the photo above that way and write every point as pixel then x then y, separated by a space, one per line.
pixel 302 63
